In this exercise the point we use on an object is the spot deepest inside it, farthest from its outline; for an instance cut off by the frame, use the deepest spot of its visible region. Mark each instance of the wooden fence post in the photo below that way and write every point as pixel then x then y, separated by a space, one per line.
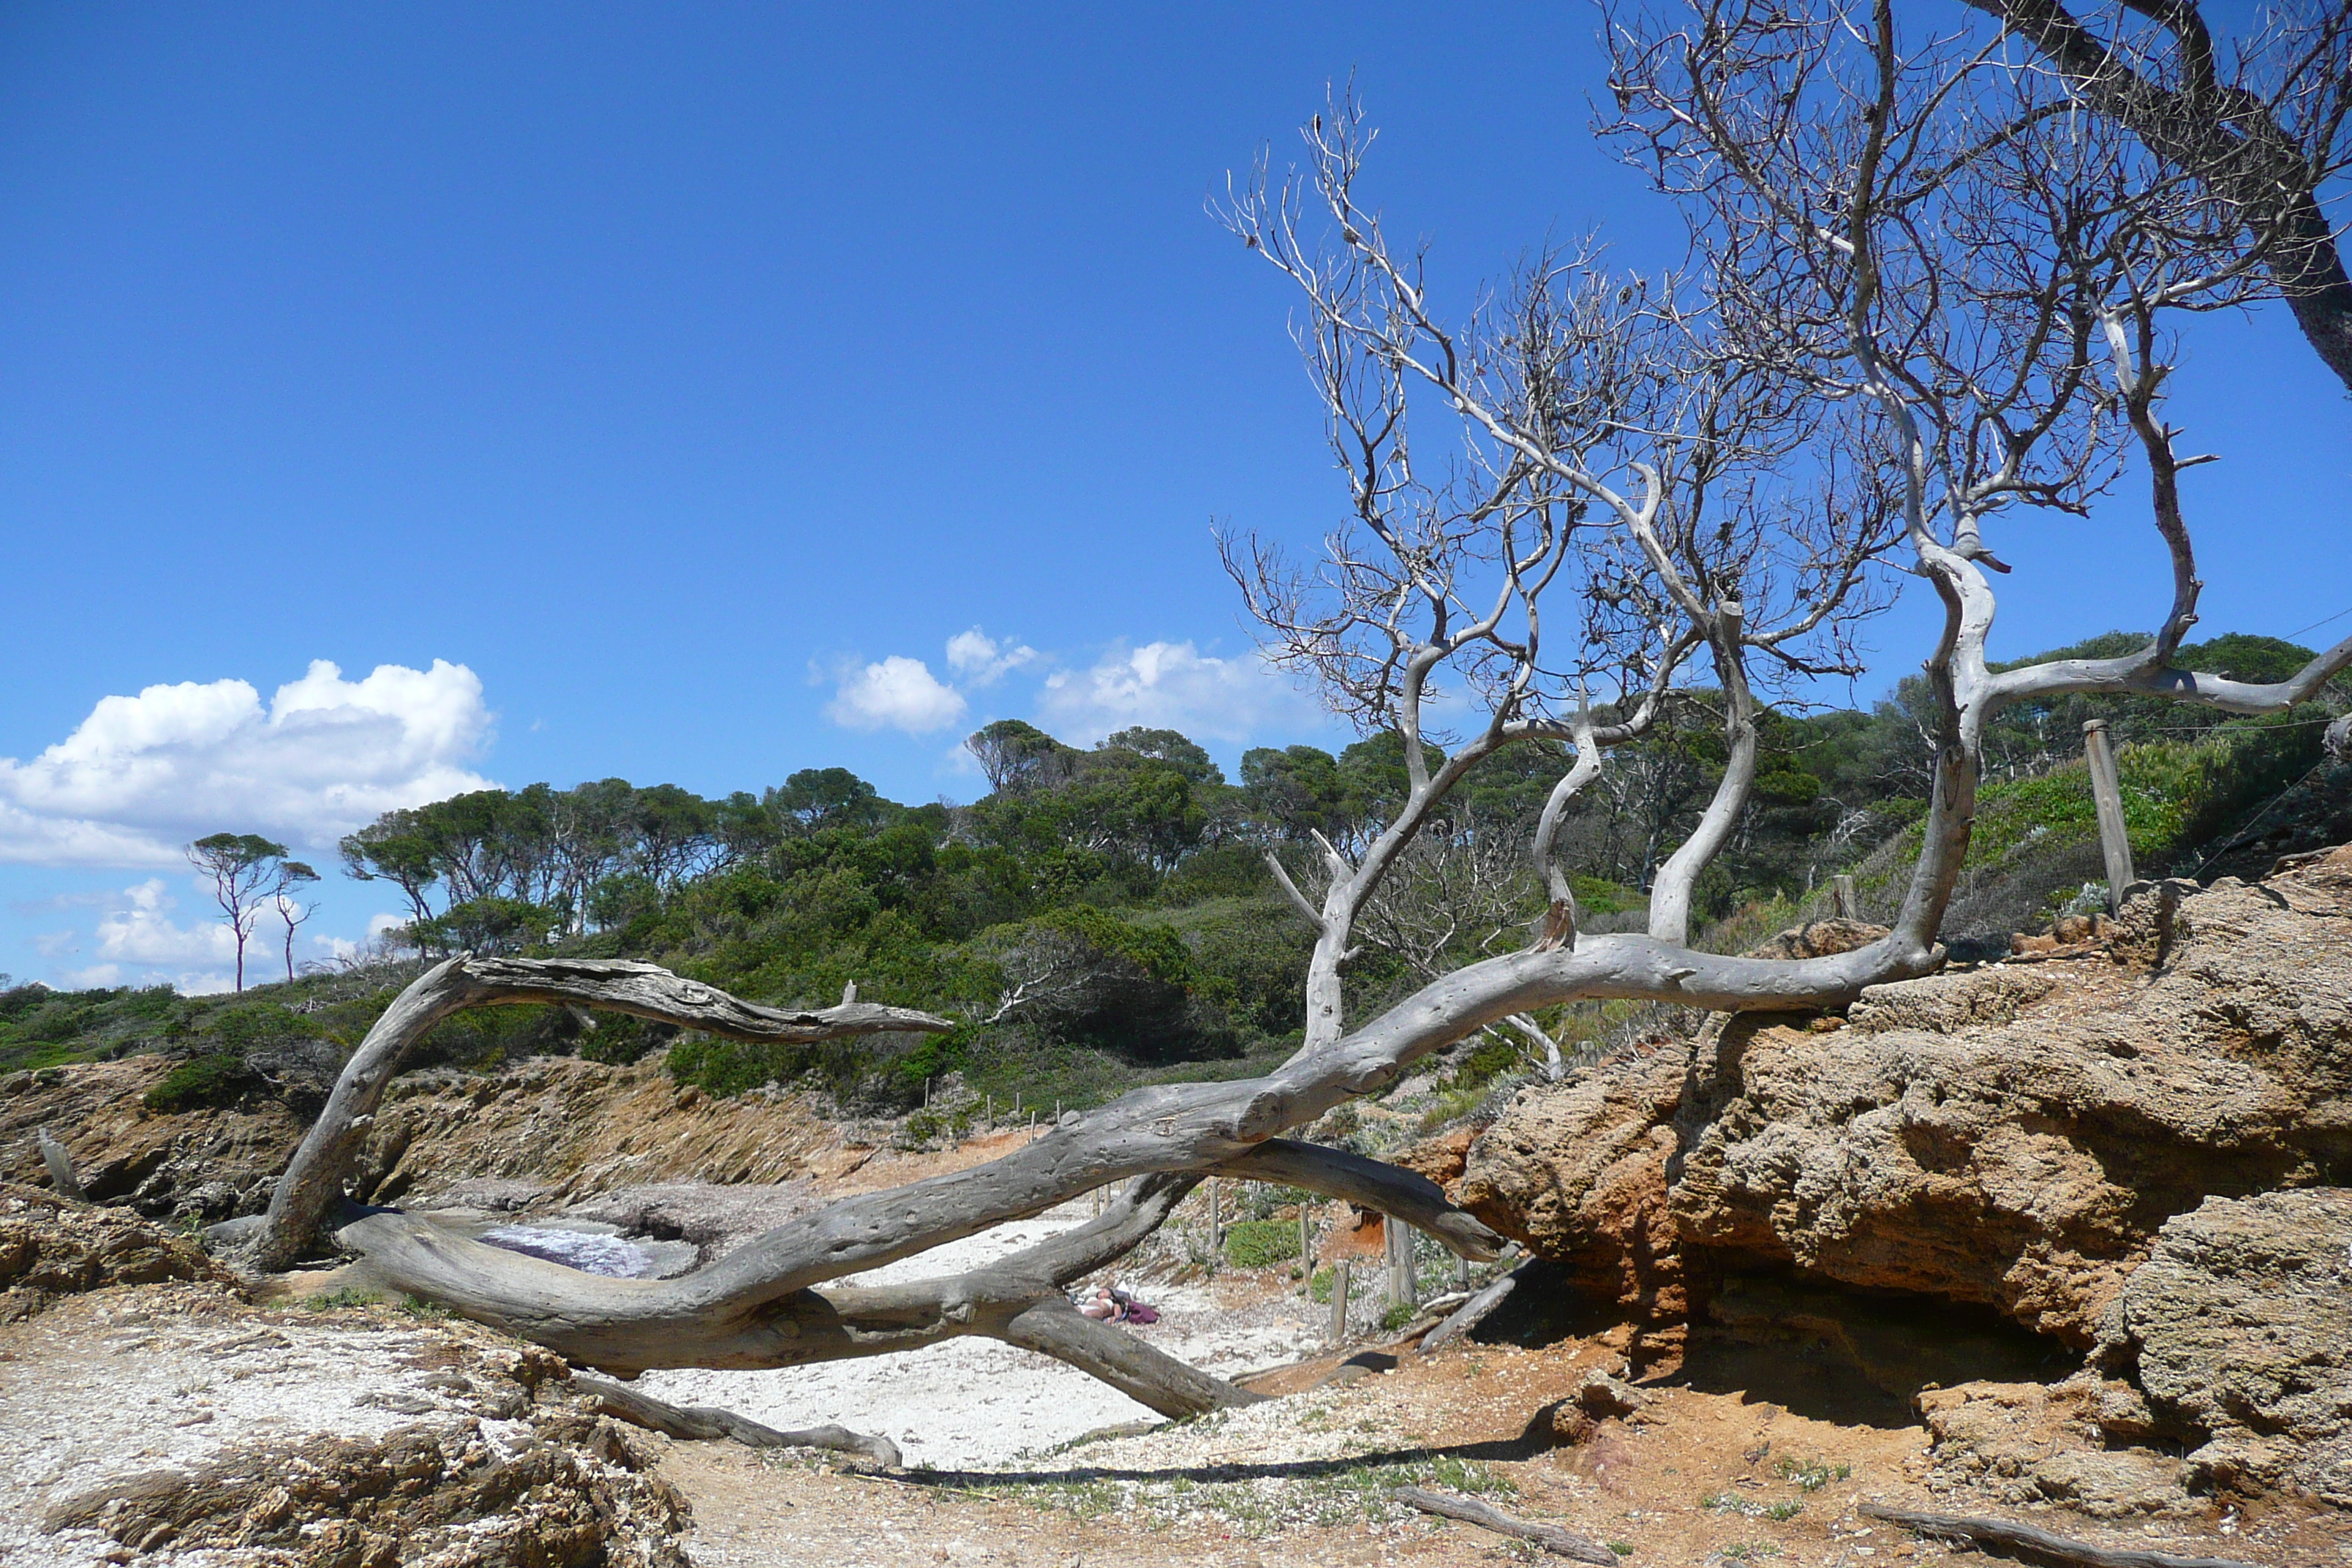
pixel 1403 1290
pixel 2107 795
pixel 1842 895
pixel 1305 1257
pixel 1339 1302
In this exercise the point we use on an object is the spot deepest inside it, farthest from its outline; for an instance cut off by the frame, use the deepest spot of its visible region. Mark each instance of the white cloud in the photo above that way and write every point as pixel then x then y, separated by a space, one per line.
pixel 142 775
pixel 141 931
pixel 140 943
pixel 1172 685
pixel 978 659
pixel 898 693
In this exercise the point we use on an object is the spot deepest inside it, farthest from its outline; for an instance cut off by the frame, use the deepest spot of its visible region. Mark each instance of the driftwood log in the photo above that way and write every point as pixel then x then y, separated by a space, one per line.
pixel 705 1422
pixel 309 1195
pixel 1471 1313
pixel 768 1304
pixel 1469 1511
pixel 2036 1545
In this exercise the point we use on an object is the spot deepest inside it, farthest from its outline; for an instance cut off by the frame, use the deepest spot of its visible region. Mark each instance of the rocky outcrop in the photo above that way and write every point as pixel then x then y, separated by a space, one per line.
pixel 2085 1442
pixel 2015 1135
pixel 531 1134
pixel 51 1247
pixel 2239 1328
pixel 152 1421
pixel 209 1163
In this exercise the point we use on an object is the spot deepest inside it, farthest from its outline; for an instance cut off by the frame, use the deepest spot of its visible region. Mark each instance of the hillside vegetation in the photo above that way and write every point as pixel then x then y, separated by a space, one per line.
pixel 1105 917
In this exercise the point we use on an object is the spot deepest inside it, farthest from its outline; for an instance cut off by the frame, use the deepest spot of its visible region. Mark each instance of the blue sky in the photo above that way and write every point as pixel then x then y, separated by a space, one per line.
pixel 683 378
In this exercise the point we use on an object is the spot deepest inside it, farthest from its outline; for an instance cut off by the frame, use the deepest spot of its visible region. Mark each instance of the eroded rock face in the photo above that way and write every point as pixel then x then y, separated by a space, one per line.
pixel 51 1247
pixel 2084 1442
pixel 211 1162
pixel 2014 1136
pixel 2238 1326
pixel 530 1136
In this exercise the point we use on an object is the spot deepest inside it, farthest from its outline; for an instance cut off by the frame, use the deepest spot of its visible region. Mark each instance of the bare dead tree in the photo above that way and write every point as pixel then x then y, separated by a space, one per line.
pixel 1921 228
pixel 2259 122
pixel 1462 888
pixel 1612 455
pixel 1926 302
pixel 292 912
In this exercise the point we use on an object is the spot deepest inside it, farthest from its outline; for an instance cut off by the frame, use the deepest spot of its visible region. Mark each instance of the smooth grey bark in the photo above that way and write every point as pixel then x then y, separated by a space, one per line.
pixel 1471 1313
pixel 2219 135
pixel 706 1423
pixel 310 1191
pixel 2035 1542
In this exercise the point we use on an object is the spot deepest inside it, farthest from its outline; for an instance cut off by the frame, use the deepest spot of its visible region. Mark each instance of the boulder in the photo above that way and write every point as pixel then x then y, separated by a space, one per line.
pixel 2014 1135
pixel 2239 1327
pixel 2083 1442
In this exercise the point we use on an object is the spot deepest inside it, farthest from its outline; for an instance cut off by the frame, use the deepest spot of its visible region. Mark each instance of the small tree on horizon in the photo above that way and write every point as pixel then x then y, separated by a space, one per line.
pixel 291 875
pixel 244 868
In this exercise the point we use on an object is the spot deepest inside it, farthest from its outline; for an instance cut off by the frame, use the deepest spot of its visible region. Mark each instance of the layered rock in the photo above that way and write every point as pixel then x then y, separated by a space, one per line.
pixel 51 1248
pixel 530 1135
pixel 2015 1135
pixel 2239 1327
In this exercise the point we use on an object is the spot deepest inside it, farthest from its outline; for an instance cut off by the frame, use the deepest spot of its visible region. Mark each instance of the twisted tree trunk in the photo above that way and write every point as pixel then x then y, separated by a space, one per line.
pixel 771 1302
pixel 309 1195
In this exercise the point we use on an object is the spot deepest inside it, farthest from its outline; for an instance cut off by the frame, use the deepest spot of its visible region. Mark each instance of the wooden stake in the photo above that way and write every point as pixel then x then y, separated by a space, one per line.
pixel 1403 1290
pixel 1305 1258
pixel 2107 795
pixel 1843 899
pixel 1339 1302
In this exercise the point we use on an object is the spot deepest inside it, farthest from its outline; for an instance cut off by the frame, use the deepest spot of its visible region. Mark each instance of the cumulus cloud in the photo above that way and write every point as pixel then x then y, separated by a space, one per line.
pixel 1172 686
pixel 141 931
pixel 898 693
pixel 978 659
pixel 140 942
pixel 142 775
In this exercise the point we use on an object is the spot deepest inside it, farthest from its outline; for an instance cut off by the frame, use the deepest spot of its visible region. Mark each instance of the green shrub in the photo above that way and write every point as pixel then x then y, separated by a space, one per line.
pixel 216 1079
pixel 1261 1243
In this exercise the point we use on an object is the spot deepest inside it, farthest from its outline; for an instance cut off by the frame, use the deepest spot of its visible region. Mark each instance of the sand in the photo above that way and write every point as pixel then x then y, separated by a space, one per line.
pixel 976 1402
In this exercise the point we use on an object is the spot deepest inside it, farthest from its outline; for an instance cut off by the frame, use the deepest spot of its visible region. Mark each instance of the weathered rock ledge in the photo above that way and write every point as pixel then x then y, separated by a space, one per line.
pixel 2081 1140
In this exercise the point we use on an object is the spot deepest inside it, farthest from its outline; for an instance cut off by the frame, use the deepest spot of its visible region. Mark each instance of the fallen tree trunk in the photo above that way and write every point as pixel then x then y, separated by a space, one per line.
pixel 310 1193
pixel 2034 1544
pixel 630 1325
pixel 760 1306
pixel 705 1422
pixel 1469 1511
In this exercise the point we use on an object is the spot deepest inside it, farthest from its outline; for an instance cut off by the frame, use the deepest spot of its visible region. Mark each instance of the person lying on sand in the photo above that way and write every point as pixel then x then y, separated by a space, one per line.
pixel 1109 1304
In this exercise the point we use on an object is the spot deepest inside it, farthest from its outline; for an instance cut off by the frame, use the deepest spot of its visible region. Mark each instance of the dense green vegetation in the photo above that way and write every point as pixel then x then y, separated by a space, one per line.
pixel 1103 917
